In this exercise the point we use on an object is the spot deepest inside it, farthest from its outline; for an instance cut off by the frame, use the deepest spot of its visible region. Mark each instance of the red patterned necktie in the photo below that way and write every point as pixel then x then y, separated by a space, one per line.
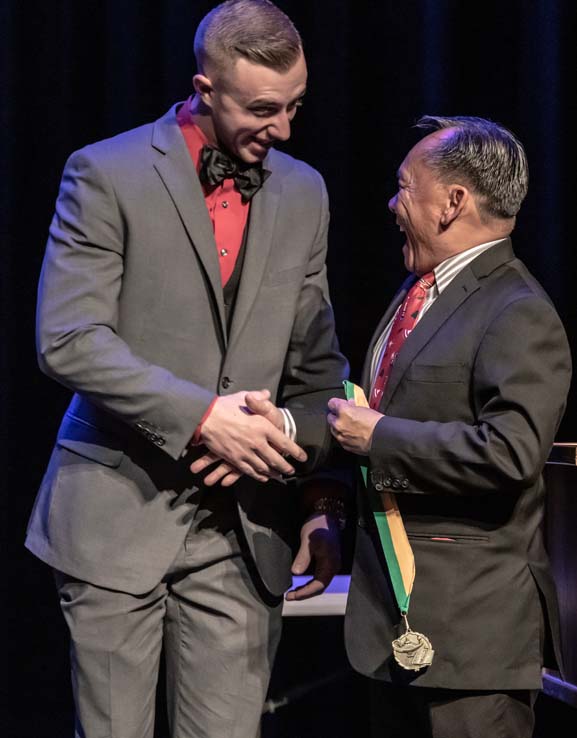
pixel 403 324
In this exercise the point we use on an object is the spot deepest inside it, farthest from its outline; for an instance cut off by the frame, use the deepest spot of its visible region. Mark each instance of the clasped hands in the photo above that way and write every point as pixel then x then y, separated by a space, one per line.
pixel 244 432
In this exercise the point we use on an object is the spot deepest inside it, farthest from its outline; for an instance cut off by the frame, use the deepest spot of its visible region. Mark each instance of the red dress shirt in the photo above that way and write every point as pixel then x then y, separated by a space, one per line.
pixel 228 213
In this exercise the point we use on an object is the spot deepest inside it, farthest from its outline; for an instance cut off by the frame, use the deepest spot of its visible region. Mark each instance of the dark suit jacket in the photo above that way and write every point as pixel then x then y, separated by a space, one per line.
pixel 131 318
pixel 472 407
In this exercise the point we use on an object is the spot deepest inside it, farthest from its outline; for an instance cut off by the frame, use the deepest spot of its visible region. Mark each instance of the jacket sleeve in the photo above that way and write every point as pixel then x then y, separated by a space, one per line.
pixel 78 315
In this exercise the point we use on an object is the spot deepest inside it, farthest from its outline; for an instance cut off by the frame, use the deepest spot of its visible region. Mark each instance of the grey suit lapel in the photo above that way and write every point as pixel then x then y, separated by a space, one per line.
pixel 180 179
pixel 263 212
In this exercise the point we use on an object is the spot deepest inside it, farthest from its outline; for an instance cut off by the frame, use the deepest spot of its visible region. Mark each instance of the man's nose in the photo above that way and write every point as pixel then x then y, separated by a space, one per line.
pixel 392 203
pixel 280 127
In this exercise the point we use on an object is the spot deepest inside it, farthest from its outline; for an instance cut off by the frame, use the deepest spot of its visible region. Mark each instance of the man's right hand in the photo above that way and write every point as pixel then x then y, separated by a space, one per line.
pixel 247 443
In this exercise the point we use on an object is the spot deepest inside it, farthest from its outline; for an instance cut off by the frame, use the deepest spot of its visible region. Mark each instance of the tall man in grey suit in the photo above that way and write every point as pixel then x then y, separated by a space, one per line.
pixel 459 434
pixel 186 266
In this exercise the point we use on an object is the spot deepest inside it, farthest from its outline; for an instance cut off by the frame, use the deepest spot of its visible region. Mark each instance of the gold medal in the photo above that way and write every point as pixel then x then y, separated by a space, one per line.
pixel 412 650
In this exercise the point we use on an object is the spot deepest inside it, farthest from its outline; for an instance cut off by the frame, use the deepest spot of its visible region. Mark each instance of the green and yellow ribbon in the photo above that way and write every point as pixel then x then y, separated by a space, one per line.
pixel 396 547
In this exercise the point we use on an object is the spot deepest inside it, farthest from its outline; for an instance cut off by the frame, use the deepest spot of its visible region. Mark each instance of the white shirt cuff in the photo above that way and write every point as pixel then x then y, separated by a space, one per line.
pixel 289 425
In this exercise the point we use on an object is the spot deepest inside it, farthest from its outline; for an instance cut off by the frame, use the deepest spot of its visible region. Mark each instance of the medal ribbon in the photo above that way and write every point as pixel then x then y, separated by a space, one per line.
pixel 393 536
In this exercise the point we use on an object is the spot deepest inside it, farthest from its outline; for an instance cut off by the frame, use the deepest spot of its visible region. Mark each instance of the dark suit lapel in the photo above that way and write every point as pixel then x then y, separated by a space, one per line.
pixel 464 284
pixel 263 213
pixel 180 179
pixel 397 300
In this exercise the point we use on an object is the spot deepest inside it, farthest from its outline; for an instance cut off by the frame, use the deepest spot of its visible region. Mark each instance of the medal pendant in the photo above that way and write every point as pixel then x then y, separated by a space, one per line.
pixel 412 650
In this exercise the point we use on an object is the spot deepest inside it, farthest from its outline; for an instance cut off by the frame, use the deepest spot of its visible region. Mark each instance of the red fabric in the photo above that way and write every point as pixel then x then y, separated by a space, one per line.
pixel 403 324
pixel 228 213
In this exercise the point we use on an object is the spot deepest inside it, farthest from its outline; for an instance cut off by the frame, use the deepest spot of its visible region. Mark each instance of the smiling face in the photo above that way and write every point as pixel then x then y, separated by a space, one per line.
pixel 252 106
pixel 418 207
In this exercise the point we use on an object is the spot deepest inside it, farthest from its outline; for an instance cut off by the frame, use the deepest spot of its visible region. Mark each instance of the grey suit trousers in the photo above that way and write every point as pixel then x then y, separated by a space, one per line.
pixel 218 629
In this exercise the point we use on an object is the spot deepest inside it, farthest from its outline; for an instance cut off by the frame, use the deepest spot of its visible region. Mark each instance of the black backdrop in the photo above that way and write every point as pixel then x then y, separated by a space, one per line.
pixel 74 72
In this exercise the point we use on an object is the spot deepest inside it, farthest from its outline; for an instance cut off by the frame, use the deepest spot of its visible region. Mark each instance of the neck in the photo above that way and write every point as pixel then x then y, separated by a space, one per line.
pixel 467 238
pixel 201 117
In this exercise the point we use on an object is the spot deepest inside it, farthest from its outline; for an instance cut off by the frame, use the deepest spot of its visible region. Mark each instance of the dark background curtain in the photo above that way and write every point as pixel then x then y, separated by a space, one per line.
pixel 77 71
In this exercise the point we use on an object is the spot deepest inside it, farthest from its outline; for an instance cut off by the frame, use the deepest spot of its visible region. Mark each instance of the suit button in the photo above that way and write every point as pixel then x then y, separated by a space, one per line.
pixel 226 382
pixel 387 481
pixel 379 487
pixel 159 441
pixel 405 483
pixel 396 484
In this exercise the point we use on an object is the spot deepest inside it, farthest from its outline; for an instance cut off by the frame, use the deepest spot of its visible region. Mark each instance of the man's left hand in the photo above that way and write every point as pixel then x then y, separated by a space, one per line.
pixel 320 540
pixel 352 426
pixel 225 473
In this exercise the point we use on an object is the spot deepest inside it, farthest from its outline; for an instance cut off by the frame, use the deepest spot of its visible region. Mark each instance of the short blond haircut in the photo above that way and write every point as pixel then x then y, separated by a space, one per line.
pixel 255 30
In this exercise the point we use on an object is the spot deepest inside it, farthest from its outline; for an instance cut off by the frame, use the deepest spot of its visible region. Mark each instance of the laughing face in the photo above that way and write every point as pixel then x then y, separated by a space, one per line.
pixel 252 106
pixel 418 207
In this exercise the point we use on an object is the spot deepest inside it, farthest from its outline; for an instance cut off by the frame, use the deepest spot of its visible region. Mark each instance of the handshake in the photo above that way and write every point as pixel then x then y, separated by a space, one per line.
pixel 244 435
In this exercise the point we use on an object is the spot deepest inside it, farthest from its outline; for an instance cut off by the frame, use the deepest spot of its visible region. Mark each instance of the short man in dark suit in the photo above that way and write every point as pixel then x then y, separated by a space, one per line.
pixel 185 266
pixel 463 412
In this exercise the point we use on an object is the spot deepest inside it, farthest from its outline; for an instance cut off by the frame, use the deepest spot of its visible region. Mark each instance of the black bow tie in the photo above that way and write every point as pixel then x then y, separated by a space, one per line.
pixel 215 166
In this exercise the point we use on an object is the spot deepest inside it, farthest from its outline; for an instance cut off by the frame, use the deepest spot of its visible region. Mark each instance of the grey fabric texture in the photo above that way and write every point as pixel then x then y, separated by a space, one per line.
pixel 131 318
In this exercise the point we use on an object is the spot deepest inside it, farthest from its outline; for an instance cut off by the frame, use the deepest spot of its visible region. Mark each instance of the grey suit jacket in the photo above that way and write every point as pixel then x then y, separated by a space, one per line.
pixel 131 318
pixel 472 407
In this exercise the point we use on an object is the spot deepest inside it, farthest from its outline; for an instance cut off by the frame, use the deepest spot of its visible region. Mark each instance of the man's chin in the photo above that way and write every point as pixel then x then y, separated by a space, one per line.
pixel 254 153
pixel 250 160
pixel 246 154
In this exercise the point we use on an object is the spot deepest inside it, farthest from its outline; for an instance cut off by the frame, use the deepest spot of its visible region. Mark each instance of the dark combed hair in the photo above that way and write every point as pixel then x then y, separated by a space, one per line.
pixel 483 155
pixel 253 29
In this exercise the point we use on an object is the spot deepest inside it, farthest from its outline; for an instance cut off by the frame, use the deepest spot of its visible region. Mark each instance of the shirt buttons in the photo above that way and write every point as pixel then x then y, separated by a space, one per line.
pixel 224 203
pixel 223 252
pixel 226 382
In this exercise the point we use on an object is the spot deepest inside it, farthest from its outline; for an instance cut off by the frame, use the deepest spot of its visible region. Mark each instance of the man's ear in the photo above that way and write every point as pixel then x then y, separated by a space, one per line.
pixel 458 198
pixel 203 88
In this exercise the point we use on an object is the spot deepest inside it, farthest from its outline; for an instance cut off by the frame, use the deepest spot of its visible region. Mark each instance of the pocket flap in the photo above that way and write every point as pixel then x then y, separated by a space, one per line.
pixel 89 442
pixel 438 373
pixel 106 456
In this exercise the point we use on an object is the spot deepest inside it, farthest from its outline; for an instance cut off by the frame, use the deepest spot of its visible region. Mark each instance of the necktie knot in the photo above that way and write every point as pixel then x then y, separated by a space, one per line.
pixel 216 165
